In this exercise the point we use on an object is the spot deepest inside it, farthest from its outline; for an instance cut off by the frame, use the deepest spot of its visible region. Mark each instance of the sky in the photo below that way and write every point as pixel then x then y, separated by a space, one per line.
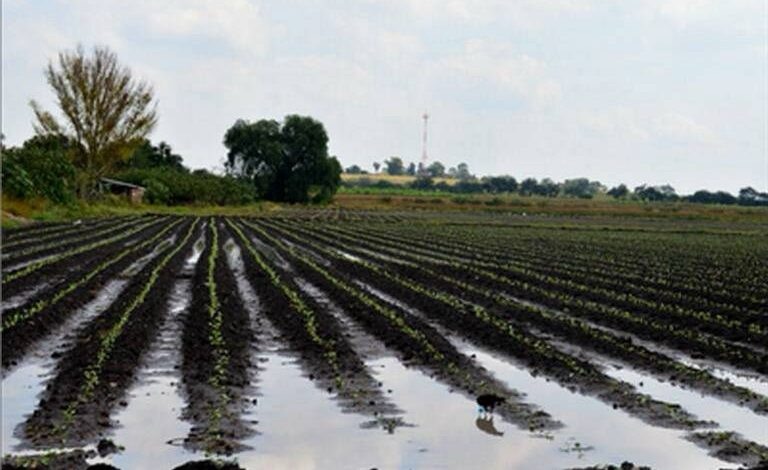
pixel 620 91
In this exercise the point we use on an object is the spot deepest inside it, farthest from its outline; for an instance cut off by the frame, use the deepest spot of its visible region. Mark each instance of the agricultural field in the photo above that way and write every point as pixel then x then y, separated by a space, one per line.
pixel 335 338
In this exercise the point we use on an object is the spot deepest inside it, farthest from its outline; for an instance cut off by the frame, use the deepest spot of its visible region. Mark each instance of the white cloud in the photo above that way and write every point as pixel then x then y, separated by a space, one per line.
pixel 499 64
pixel 620 121
pixel 640 124
pixel 684 129
pixel 524 13
pixel 732 14
pixel 237 22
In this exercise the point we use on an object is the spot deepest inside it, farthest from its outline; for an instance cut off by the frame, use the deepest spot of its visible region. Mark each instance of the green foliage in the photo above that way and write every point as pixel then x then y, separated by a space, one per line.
pixel 157 192
pixel 581 188
pixel 395 166
pixel 287 162
pixel 161 155
pixel 39 168
pixel 106 112
pixel 619 192
pixel 173 187
pixel 436 170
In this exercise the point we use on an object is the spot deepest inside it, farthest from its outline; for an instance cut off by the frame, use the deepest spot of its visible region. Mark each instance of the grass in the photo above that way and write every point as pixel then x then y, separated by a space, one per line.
pixel 17 212
pixel 20 212
pixel 406 200
pixel 394 179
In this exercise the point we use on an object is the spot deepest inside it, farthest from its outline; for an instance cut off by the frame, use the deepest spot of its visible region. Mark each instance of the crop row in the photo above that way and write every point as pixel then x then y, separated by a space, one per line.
pixel 90 375
pixel 549 294
pixel 714 267
pixel 13 257
pixel 548 259
pixel 566 327
pixel 311 329
pixel 82 249
pixel 584 287
pixel 32 232
pixel 464 318
pixel 216 345
pixel 15 243
pixel 636 260
pixel 410 336
pixel 14 317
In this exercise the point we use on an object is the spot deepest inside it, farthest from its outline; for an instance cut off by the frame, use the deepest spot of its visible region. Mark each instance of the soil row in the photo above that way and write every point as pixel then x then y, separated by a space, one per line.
pixel 568 329
pixel 415 341
pixel 217 344
pixel 93 375
pixel 657 328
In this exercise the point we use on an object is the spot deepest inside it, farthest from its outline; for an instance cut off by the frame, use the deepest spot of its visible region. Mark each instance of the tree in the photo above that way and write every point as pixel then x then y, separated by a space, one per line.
pixel 436 170
pixel 284 162
pixel 354 170
pixel 394 166
pixel 619 192
pixel 655 193
pixel 147 155
pixel 548 188
pixel 749 196
pixel 376 166
pixel 106 112
pixel 581 188
pixel 528 187
pixel 719 197
pixel 411 171
pixel 462 171
pixel 40 168
pixel 500 184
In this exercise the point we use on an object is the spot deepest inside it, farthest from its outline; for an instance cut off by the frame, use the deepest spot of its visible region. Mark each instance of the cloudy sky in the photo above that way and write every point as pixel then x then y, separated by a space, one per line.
pixel 634 91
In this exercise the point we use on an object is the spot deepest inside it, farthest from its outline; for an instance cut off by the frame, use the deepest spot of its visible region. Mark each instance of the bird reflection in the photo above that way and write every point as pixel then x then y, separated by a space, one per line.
pixel 484 422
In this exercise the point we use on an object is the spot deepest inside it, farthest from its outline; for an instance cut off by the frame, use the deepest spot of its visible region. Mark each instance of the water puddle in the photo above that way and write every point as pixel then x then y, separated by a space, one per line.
pixel 730 416
pixel 22 386
pixel 140 263
pixel 21 298
pixel 270 253
pixel 751 381
pixel 150 427
pixel 741 377
pixel 611 436
pixel 265 332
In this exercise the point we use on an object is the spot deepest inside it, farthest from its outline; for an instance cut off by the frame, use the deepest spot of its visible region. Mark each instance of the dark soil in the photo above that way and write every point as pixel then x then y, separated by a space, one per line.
pixel 277 308
pixel 209 465
pixel 199 358
pixel 91 257
pixel 20 339
pixel 412 352
pixel 118 371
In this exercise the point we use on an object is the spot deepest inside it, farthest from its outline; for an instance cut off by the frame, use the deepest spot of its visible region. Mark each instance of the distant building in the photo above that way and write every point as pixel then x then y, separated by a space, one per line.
pixel 133 192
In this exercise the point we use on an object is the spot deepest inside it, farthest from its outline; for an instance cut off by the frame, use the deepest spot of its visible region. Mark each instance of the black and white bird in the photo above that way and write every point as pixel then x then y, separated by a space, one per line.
pixel 488 402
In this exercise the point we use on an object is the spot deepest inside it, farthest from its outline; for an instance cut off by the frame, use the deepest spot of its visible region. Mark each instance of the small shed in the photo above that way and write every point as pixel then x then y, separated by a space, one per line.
pixel 133 192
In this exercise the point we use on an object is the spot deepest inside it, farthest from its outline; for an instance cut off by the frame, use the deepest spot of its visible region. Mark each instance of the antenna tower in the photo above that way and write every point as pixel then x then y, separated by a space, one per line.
pixel 423 168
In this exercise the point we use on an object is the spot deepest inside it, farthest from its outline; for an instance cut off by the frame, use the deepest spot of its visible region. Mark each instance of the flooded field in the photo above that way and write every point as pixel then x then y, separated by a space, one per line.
pixel 320 339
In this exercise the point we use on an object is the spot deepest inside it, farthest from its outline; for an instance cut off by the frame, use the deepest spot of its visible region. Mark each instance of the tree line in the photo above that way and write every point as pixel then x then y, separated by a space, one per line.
pixel 581 188
pixel 104 118
pixel 395 166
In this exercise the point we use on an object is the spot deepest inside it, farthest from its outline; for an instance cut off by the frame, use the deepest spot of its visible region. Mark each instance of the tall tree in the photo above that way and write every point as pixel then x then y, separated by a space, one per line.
pixel 106 112
pixel 287 162
pixel 161 155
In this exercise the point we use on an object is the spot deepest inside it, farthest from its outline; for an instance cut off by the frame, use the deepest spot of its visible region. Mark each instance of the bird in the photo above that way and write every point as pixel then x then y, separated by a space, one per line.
pixel 489 401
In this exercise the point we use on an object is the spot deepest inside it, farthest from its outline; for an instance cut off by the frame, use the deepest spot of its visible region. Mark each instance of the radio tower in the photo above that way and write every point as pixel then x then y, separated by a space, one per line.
pixel 423 169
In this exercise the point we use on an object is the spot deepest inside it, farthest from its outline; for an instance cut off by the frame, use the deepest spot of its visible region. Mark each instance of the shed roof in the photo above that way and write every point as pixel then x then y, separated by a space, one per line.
pixel 125 184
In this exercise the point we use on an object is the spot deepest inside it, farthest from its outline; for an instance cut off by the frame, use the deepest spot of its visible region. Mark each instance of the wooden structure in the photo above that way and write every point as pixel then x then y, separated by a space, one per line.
pixel 133 192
